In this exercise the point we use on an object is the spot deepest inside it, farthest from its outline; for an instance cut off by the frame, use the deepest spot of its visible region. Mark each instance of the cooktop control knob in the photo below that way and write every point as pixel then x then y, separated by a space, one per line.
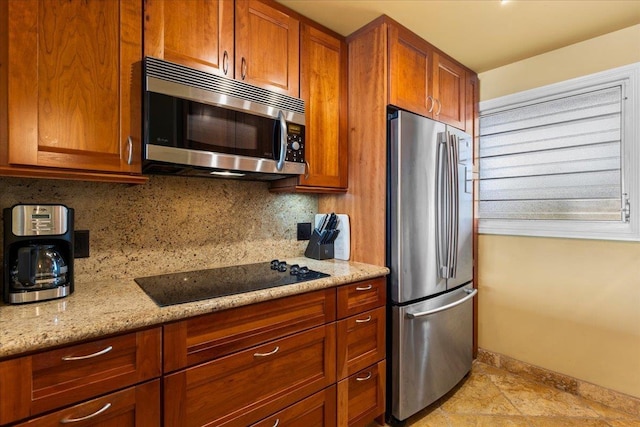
pixel 274 264
pixel 294 269
pixel 303 270
pixel 282 267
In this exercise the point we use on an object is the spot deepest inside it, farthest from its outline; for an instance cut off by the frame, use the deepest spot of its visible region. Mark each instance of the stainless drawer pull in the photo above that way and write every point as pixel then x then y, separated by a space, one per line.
pixel 275 350
pixel 77 420
pixel 364 288
pixel 88 356
pixel 363 320
pixel 366 377
pixel 276 423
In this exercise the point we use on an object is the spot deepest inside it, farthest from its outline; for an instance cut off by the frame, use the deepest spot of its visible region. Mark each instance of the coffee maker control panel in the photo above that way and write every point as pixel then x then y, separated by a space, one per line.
pixel 39 220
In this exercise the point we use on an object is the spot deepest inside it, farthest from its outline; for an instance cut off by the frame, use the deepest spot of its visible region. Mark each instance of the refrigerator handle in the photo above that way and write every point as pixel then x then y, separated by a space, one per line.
pixel 455 201
pixel 442 207
pixel 470 294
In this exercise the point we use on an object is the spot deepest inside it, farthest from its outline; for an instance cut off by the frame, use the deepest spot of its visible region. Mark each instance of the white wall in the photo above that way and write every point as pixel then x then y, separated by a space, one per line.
pixel 571 306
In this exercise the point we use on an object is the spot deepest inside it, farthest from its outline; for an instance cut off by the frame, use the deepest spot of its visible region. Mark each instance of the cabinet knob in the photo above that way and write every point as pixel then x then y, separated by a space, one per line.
pixel 433 103
pixel 225 62
pixel 439 107
pixel 88 356
pixel 88 417
pixel 243 68
pixel 130 148
pixel 366 377
pixel 274 351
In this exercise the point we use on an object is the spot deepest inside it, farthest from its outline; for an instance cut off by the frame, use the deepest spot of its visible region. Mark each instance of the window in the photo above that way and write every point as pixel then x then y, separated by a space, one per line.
pixel 563 160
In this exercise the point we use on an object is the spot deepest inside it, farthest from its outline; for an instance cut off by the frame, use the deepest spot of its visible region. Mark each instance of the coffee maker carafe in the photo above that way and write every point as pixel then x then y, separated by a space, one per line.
pixel 38 253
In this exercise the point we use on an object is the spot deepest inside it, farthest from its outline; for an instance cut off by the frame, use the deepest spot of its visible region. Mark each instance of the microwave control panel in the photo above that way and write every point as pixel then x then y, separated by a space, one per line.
pixel 295 143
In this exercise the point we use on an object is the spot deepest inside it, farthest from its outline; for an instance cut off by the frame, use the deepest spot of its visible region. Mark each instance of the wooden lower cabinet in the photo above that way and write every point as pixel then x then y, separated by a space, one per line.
pixel 361 341
pixel 32 385
pixel 318 410
pixel 244 387
pixel 361 396
pixel 135 406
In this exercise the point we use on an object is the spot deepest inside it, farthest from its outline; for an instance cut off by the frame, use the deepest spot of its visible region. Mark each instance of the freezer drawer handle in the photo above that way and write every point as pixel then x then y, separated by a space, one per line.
pixel 364 288
pixel 471 294
pixel 366 377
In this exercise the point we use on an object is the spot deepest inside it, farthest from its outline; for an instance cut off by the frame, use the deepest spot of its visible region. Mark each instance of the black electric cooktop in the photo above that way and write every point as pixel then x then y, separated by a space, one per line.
pixel 190 286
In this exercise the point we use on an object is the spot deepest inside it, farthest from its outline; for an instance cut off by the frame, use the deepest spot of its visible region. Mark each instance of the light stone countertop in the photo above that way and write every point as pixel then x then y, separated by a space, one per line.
pixel 115 306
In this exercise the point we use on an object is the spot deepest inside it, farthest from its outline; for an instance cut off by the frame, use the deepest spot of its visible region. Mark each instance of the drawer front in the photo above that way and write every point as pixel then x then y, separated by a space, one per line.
pixel 82 371
pixel 318 410
pixel 137 406
pixel 360 341
pixel 361 296
pixel 204 338
pixel 245 387
pixel 361 396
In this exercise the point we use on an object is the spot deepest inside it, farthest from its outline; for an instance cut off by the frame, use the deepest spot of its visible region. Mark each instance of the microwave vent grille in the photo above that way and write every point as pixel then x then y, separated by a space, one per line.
pixel 180 74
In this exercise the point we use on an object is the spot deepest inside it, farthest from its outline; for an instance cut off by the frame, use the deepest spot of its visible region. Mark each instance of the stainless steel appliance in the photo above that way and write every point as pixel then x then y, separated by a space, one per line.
pixel 38 253
pixel 190 286
pixel 200 124
pixel 429 252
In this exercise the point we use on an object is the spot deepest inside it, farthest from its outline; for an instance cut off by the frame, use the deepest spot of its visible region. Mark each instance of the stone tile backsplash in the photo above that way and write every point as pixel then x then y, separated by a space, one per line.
pixel 171 223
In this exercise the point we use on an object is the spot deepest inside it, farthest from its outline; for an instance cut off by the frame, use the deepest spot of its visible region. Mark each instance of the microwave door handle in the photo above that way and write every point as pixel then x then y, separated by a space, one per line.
pixel 283 141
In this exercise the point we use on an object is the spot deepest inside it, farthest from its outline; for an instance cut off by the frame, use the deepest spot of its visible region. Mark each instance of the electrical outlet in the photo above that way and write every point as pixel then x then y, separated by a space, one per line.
pixel 304 230
pixel 81 244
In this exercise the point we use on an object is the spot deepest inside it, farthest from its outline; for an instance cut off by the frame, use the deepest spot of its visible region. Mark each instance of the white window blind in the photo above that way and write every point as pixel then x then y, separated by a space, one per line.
pixel 559 162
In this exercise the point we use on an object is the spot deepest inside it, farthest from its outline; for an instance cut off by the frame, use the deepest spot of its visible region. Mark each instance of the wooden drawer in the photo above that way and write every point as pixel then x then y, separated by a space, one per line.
pixel 361 396
pixel 361 296
pixel 244 387
pixel 204 338
pixel 137 406
pixel 360 341
pixel 34 384
pixel 318 410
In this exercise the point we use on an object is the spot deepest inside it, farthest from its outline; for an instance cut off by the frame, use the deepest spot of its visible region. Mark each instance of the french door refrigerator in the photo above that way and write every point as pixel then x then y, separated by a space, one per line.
pixel 429 252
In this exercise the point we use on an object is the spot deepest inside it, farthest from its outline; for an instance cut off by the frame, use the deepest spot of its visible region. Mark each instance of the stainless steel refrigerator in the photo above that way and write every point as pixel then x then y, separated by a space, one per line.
pixel 429 252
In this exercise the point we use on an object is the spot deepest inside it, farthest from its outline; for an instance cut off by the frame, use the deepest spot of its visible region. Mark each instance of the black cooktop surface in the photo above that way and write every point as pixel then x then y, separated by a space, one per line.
pixel 190 286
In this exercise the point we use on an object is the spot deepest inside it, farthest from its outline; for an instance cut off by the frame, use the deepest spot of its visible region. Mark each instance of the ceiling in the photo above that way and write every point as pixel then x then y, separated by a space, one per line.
pixel 482 34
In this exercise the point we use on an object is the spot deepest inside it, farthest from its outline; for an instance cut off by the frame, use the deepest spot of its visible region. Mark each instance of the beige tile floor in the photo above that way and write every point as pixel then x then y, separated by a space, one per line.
pixel 491 397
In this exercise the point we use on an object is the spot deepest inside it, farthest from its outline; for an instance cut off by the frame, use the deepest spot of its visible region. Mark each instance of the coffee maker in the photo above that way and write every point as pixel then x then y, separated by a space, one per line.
pixel 38 253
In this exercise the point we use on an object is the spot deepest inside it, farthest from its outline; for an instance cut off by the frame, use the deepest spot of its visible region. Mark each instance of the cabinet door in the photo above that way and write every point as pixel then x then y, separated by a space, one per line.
pixel 318 410
pixel 361 296
pixel 247 386
pixel 410 62
pixel 194 33
pixel 203 338
pixel 323 86
pixel 361 341
pixel 137 406
pixel 361 396
pixel 449 90
pixel 70 85
pixel 267 47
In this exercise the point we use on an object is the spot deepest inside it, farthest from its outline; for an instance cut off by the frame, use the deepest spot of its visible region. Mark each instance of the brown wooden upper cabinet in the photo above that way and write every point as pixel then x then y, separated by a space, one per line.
pixel 200 34
pixel 323 86
pixel 71 99
pixel 194 33
pixel 423 80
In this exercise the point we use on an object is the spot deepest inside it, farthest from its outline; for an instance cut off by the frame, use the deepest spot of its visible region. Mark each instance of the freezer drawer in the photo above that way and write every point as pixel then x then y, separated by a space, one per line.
pixel 431 349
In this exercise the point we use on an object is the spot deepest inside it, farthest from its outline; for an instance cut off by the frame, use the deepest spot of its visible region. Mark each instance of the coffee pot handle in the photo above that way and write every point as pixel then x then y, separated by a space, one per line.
pixel 26 274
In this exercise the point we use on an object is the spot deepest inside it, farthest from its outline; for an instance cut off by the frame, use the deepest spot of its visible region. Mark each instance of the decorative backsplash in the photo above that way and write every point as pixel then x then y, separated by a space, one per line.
pixel 171 223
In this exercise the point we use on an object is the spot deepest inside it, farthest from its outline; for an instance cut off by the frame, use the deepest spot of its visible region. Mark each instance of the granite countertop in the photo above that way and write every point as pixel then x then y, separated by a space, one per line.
pixel 97 309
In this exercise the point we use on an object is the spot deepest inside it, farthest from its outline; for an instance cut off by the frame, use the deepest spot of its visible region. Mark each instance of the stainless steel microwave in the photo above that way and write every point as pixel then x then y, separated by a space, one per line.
pixel 201 124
